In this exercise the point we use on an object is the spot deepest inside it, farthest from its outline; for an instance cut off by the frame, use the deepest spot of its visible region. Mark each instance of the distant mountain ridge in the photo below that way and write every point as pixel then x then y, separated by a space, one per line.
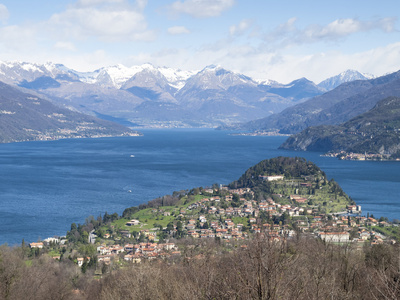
pixel 26 117
pixel 331 108
pixel 376 131
pixel 111 76
pixel 160 96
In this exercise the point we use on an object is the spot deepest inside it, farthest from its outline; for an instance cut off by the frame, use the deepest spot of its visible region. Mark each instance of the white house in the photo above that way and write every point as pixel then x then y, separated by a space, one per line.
pixel 273 177
pixel 337 237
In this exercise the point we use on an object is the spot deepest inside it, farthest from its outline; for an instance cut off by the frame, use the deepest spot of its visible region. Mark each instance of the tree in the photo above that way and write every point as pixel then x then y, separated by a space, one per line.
pixel 84 266
pixel 141 238
pixel 179 226
pixel 170 226
pixel 87 250
pixel 179 229
pixel 161 237
pixel 10 270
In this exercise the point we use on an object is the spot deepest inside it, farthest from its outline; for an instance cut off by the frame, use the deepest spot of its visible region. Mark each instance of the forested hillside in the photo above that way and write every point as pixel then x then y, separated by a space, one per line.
pixel 376 131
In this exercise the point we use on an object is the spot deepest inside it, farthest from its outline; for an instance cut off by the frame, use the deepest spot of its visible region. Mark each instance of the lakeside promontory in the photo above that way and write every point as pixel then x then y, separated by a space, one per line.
pixel 281 224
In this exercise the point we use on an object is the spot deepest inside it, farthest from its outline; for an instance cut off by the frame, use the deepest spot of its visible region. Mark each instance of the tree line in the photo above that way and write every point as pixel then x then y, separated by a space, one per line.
pixel 300 268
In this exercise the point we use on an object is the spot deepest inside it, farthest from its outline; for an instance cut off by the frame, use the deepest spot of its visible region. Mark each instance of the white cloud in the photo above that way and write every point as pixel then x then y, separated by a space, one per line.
pixel 65 46
pixel 141 4
pixel 387 24
pixel 176 30
pixel 345 27
pixel 241 28
pixel 280 66
pixel 88 61
pixel 288 34
pixel 4 14
pixel 319 66
pixel 15 39
pixel 267 56
pixel 86 3
pixel 101 19
pixel 282 30
pixel 201 8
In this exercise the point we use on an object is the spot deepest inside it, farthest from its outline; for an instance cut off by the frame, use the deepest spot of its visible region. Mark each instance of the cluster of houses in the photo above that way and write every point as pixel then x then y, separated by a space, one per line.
pixel 339 230
pixel 306 219
pixel 336 229
pixel 252 208
pixel 222 217
pixel 343 155
pixel 214 217
pixel 135 252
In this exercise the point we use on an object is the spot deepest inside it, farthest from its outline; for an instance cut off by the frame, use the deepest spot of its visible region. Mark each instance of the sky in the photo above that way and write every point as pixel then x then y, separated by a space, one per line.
pixel 265 39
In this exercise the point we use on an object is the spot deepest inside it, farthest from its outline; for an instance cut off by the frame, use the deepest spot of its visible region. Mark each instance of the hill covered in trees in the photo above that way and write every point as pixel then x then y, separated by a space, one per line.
pixel 376 131
pixel 290 167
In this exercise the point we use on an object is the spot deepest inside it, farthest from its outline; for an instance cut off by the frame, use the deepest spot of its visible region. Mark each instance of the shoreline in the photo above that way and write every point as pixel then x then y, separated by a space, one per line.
pixel 260 133
pixel 343 155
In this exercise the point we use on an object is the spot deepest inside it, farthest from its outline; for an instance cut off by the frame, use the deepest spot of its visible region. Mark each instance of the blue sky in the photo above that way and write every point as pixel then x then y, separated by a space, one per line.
pixel 280 40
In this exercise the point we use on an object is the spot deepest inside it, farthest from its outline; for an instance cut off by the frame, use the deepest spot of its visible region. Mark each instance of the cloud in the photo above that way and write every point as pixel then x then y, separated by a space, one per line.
pixel 281 66
pixel 288 34
pixel 282 31
pixel 176 30
pixel 319 66
pixel 86 3
pixel 241 28
pixel 103 19
pixel 4 14
pixel 65 46
pixel 200 8
pixel 345 27
pixel 16 39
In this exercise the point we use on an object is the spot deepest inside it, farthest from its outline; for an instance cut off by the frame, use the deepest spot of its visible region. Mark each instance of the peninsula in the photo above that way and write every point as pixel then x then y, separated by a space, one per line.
pixel 282 223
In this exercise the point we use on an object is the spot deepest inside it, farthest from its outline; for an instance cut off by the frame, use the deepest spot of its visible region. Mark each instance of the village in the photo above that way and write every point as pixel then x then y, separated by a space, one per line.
pixel 231 217
pixel 343 155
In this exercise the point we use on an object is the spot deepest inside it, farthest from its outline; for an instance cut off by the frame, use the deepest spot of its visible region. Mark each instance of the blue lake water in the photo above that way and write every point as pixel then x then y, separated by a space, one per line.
pixel 46 186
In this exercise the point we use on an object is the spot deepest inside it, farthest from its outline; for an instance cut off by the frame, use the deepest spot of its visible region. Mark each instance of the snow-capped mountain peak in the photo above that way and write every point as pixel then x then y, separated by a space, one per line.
pixel 212 68
pixel 176 77
pixel 268 82
pixel 18 71
pixel 216 77
pixel 346 76
pixel 119 74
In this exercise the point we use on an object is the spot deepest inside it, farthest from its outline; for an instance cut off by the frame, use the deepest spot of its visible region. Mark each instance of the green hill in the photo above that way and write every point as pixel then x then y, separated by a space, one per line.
pixel 290 167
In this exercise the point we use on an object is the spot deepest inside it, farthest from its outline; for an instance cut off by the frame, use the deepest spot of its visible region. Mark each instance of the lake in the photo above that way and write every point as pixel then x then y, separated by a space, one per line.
pixel 46 186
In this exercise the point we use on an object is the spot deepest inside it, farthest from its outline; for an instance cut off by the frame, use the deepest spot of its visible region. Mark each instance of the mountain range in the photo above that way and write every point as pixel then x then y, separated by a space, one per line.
pixel 27 117
pixel 163 97
pixel 334 107
pixel 376 131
